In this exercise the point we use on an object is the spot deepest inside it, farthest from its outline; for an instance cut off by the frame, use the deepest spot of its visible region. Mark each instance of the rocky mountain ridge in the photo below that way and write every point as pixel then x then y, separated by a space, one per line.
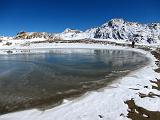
pixel 119 29
pixel 116 29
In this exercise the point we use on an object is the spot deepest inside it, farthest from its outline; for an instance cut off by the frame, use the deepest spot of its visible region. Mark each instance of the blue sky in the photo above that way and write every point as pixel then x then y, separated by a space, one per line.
pixel 56 15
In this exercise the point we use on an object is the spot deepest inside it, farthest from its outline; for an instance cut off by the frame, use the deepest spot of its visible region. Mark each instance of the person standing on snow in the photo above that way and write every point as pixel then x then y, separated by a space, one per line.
pixel 133 44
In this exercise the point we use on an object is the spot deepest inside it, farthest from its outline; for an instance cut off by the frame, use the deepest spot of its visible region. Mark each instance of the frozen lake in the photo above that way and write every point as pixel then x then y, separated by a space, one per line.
pixel 44 80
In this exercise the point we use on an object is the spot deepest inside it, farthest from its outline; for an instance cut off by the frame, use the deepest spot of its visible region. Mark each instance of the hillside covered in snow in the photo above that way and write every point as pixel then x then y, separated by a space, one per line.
pixel 115 29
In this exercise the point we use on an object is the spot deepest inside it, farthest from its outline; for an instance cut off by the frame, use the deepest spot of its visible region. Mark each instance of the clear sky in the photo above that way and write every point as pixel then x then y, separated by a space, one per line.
pixel 56 15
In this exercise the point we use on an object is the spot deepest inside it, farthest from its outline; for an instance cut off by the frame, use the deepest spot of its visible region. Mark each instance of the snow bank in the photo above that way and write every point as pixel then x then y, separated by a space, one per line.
pixel 42 47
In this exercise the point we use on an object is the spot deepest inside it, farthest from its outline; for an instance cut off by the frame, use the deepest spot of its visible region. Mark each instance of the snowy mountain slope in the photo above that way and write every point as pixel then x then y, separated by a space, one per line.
pixel 120 29
pixel 5 38
pixel 115 29
pixel 70 34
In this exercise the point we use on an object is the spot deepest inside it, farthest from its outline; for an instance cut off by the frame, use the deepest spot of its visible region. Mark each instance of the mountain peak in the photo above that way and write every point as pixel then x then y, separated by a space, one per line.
pixel 119 29
pixel 116 21
pixel 68 30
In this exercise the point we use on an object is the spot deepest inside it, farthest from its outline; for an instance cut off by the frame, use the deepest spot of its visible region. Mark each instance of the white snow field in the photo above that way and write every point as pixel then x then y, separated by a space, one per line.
pixel 103 104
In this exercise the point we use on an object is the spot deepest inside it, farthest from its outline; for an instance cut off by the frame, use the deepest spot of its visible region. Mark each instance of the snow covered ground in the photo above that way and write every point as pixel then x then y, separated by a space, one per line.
pixel 105 104
pixel 25 45
pixel 21 46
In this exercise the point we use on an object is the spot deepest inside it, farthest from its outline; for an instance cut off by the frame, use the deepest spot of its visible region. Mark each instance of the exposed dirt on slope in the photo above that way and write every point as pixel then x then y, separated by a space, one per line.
pixel 139 113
